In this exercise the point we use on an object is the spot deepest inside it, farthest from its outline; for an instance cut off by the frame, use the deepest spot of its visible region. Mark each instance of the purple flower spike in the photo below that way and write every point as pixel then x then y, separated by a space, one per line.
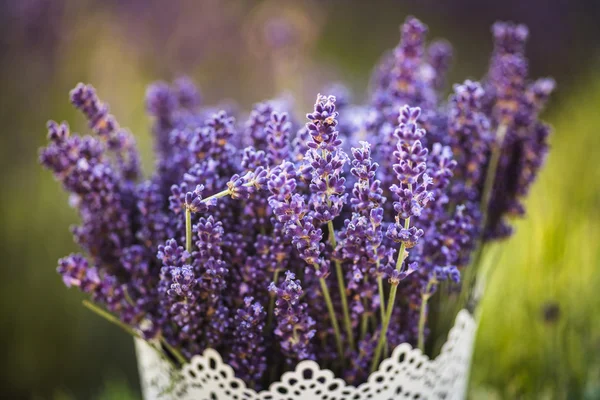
pixel 509 38
pixel 85 99
pixel 326 160
pixel 291 210
pixel 188 95
pixel 76 271
pixel 322 125
pixel 120 141
pixel 172 254
pixel 294 326
pixel 183 282
pixel 366 193
pixel 160 100
pixel 255 128
pixel 412 194
pixel 248 356
pixel 278 135
pixel 439 56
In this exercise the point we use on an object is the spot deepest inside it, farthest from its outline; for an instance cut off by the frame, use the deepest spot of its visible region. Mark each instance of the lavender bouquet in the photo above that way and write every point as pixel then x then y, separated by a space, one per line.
pixel 275 241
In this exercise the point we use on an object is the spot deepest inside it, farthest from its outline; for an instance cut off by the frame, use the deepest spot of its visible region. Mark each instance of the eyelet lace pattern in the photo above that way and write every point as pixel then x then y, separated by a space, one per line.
pixel 407 374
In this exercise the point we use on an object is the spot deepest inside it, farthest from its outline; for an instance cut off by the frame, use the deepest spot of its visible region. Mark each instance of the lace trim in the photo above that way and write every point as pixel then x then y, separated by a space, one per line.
pixel 407 374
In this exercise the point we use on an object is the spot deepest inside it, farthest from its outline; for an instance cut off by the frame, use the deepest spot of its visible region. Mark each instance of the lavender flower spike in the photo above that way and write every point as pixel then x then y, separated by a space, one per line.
pixel 326 160
pixel 327 185
pixel 247 356
pixel 120 141
pixel 411 196
pixel 294 325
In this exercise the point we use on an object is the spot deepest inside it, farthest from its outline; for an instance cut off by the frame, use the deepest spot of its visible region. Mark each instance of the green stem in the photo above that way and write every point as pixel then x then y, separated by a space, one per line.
pixel 109 317
pixel 364 324
pixel 127 296
pixel 379 286
pixel 341 287
pixel 486 197
pixel 386 350
pixel 380 289
pixel 382 308
pixel 390 305
pixel 423 315
pixel 373 320
pixel 401 256
pixel 188 219
pixel 490 175
pixel 381 297
pixel 223 193
pixel 272 301
pixel 338 272
pixel 334 323
pixel 176 353
pixel 384 327
pixel 188 230
pixel 364 318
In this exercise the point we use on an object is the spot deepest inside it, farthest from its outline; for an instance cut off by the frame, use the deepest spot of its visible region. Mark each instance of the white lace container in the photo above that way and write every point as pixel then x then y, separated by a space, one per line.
pixel 407 374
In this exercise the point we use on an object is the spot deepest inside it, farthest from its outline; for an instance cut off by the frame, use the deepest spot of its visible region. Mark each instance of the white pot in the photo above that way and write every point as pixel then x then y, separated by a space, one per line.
pixel 407 374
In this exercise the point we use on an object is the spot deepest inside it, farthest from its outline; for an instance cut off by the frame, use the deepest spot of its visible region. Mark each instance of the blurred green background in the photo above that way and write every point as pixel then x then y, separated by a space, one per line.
pixel 540 326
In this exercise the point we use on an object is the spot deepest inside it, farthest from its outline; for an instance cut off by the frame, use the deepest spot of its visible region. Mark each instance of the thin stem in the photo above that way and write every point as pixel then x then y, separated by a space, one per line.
pixel 109 317
pixel 341 287
pixel 386 349
pixel 471 273
pixel 364 318
pixel 490 175
pixel 364 324
pixel 272 301
pixel 223 193
pixel 176 353
pixel 381 297
pixel 390 305
pixel 384 327
pixel 127 296
pixel 381 301
pixel 486 197
pixel 379 285
pixel 382 308
pixel 401 255
pixel 334 323
pixel 338 272
pixel 423 315
pixel 373 320
pixel 272 372
pixel 173 364
pixel 188 219
pixel 188 230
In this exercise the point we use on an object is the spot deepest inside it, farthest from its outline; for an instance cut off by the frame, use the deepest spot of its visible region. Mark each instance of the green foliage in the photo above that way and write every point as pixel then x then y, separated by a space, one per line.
pixel 113 389
pixel 540 324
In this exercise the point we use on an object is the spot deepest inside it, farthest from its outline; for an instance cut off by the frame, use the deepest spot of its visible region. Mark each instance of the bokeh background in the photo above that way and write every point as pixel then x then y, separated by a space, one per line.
pixel 540 325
